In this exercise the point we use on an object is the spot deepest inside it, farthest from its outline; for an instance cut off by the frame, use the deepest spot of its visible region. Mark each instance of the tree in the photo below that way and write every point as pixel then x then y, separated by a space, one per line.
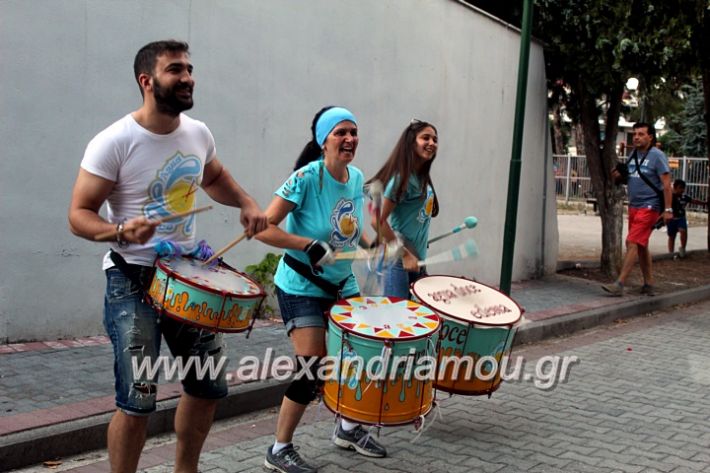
pixel 594 46
pixel 687 134
pixel 697 13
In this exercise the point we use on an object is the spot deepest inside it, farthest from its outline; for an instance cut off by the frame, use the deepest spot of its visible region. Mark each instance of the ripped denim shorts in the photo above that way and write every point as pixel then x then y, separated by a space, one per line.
pixel 135 330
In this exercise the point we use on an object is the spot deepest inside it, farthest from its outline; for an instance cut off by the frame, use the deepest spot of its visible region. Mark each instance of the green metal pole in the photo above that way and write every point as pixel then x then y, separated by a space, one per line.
pixel 511 214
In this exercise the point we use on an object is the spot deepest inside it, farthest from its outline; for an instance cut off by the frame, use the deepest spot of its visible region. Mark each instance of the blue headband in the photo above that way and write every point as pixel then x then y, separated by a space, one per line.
pixel 329 119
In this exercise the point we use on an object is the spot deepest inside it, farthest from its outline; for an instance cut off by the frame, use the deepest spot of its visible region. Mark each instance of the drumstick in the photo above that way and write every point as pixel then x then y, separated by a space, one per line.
pixel 468 222
pixel 160 220
pixel 468 249
pixel 359 253
pixel 231 244
pixel 376 191
pixel 225 249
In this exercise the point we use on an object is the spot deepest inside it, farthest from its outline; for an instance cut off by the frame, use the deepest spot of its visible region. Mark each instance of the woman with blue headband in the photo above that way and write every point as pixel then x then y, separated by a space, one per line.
pixel 322 202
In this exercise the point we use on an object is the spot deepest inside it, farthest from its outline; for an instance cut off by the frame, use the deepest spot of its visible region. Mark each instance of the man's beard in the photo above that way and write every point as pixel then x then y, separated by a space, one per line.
pixel 167 101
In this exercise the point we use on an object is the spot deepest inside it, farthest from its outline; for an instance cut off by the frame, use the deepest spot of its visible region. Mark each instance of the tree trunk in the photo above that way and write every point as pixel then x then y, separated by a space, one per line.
pixel 701 43
pixel 579 140
pixel 706 116
pixel 601 159
pixel 558 140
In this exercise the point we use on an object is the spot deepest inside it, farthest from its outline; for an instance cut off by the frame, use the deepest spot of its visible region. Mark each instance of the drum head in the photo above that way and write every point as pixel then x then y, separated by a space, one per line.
pixel 220 279
pixel 384 318
pixel 466 301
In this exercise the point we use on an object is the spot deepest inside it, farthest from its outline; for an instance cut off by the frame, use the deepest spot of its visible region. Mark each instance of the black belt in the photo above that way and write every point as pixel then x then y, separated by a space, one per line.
pixel 305 270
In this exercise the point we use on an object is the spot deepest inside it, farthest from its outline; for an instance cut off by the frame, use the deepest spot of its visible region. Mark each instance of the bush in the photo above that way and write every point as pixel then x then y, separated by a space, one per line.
pixel 263 273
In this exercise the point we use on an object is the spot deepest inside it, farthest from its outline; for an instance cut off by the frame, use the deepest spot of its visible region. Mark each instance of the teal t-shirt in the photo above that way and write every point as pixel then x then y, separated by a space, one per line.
pixel 331 213
pixel 412 215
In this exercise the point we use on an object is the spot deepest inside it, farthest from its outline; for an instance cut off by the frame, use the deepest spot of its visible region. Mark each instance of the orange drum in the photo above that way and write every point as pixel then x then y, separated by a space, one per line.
pixel 376 345
pixel 218 298
pixel 478 326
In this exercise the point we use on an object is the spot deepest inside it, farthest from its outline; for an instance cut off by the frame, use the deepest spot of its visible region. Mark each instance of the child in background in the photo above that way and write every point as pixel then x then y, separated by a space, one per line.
pixel 679 224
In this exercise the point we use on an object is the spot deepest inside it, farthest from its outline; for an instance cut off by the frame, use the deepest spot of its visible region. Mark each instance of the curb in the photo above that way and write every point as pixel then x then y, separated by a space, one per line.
pixel 81 435
pixel 570 323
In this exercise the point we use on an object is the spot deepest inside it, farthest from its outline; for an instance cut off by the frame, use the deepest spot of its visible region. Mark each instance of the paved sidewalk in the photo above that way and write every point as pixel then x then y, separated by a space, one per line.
pixel 56 397
pixel 581 240
pixel 618 407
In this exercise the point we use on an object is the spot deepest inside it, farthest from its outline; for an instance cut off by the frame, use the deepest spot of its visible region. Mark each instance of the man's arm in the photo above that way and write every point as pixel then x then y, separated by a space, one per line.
pixel 221 187
pixel 667 196
pixel 90 192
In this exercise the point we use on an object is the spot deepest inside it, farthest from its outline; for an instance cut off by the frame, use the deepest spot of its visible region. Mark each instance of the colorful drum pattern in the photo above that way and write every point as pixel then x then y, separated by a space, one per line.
pixel 477 321
pixel 386 334
pixel 218 298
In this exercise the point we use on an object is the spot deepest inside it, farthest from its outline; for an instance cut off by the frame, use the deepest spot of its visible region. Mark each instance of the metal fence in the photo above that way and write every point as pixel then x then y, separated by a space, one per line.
pixel 572 181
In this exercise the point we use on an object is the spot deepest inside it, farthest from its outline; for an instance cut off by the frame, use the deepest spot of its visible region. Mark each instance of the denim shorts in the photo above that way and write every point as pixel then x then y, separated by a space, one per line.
pixel 304 311
pixel 135 330
pixel 397 280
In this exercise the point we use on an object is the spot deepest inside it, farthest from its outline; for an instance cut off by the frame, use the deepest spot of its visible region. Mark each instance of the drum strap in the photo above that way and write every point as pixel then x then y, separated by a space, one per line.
pixel 334 290
pixel 139 275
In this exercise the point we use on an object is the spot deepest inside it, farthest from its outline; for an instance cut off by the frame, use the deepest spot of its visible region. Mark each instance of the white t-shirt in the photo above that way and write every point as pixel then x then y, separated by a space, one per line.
pixel 155 176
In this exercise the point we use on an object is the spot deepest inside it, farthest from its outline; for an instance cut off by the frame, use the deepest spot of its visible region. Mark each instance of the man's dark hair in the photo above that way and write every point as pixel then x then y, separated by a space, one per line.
pixel 147 56
pixel 680 183
pixel 650 129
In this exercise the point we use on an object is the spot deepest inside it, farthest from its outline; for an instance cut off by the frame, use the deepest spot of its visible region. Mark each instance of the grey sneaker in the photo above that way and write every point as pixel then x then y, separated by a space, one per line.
pixel 648 290
pixel 360 440
pixel 681 252
pixel 614 289
pixel 287 460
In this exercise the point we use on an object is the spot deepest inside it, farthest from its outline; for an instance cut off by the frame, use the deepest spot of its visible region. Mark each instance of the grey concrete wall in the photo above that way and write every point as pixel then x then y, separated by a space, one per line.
pixel 263 68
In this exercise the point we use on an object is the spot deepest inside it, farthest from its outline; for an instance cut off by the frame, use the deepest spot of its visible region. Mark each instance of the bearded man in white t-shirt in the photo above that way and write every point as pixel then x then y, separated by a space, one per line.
pixel 146 165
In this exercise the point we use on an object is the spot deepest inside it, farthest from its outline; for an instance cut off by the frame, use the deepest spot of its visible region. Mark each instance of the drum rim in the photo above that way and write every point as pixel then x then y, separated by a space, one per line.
pixel 391 339
pixel 446 315
pixel 172 273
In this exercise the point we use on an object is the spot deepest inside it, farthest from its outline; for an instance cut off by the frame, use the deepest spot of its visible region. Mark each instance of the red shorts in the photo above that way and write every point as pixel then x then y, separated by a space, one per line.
pixel 641 223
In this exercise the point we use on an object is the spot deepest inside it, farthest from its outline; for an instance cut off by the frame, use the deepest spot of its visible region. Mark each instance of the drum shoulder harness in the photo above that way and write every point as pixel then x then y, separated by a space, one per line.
pixel 334 290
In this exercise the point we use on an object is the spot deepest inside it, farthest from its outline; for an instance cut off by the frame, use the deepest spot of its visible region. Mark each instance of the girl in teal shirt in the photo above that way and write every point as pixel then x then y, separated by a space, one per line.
pixel 409 203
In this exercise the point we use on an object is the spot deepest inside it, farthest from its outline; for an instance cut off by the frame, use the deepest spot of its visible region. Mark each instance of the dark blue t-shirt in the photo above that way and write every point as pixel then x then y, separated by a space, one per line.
pixel 680 202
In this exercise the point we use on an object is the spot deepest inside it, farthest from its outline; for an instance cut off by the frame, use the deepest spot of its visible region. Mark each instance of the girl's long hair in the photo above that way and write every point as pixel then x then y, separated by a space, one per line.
pixel 401 163
pixel 311 151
